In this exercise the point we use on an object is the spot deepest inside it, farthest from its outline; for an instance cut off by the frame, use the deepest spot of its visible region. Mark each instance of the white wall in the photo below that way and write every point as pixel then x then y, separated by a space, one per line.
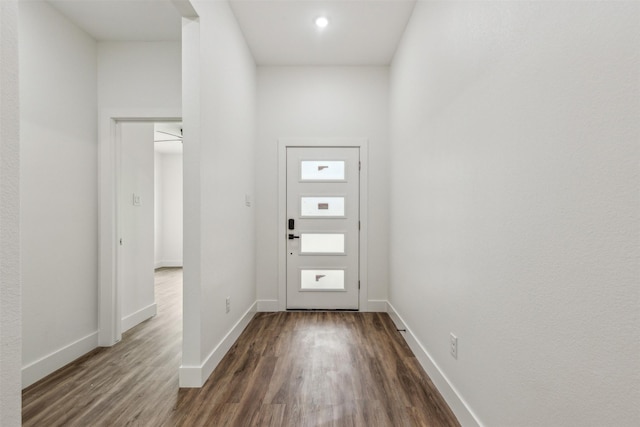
pixel 136 223
pixel 321 102
pixel 219 85
pixel 58 190
pixel 139 74
pixel 515 206
pixel 157 209
pixel 10 316
pixel 170 234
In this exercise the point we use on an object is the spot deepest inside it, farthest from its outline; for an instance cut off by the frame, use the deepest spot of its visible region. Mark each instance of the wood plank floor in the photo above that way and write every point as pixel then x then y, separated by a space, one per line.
pixel 287 369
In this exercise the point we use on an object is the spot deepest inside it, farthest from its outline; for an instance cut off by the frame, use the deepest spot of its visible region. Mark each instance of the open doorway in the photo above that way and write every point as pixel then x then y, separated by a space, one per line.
pixel 149 217
pixel 168 194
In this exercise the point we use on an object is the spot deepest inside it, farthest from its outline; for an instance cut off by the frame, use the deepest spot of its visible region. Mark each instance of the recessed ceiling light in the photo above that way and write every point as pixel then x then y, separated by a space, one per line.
pixel 322 22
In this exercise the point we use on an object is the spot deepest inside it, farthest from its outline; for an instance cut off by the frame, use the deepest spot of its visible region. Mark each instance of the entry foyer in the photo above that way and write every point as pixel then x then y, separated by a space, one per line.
pixel 502 205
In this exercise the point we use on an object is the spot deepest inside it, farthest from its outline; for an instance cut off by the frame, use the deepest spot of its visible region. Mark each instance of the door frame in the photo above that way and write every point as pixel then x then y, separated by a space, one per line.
pixel 363 145
pixel 109 296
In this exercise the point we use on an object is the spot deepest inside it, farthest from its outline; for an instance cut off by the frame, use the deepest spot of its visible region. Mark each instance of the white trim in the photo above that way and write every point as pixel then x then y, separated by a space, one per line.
pixel 363 145
pixel 451 395
pixel 196 376
pixel 109 317
pixel 139 316
pixel 190 377
pixel 168 263
pixel 268 305
pixel 39 369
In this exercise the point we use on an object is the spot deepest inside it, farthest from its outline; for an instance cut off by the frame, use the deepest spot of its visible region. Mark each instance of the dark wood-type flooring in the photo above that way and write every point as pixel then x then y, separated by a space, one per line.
pixel 286 369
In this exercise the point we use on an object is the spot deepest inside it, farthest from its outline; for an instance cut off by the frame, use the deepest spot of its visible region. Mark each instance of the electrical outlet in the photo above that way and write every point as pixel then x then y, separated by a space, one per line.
pixel 453 346
pixel 228 304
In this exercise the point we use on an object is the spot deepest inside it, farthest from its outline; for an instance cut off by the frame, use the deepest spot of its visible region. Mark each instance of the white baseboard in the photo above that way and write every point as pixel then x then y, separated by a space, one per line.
pixel 271 305
pixel 460 408
pixel 376 306
pixel 268 305
pixel 138 317
pixel 39 369
pixel 196 376
pixel 169 263
pixel 190 377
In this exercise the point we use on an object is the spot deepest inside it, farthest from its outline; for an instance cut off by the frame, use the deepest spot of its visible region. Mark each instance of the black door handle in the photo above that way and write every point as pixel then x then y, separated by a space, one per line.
pixel 291 237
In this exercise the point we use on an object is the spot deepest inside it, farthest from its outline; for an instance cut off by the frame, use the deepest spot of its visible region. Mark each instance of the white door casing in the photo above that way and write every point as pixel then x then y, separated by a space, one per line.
pixel 323 227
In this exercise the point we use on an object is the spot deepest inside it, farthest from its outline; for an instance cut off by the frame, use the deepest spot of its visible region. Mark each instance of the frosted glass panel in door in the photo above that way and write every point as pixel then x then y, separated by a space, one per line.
pixel 322 279
pixel 323 243
pixel 322 170
pixel 322 206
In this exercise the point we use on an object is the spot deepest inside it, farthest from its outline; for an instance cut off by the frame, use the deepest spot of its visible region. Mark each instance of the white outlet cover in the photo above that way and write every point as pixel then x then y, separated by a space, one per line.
pixel 453 346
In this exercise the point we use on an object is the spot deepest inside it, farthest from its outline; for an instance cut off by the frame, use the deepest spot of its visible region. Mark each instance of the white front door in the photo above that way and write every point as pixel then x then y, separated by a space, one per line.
pixel 323 199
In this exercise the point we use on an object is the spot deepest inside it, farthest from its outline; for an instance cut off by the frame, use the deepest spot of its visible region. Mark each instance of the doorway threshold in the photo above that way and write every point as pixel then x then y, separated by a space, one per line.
pixel 322 310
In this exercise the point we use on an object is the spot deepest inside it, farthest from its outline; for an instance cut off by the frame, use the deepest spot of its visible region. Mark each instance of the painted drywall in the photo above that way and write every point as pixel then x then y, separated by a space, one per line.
pixel 168 210
pixel 515 206
pixel 157 209
pixel 135 75
pixel 321 102
pixel 58 161
pixel 219 85
pixel 136 223
pixel 10 310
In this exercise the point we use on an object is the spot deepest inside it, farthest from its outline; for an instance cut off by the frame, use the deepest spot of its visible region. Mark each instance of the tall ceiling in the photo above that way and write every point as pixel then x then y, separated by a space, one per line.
pixel 124 20
pixel 278 32
pixel 360 32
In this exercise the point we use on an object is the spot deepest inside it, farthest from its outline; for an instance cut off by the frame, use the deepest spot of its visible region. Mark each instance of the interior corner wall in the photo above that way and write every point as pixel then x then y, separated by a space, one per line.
pixel 322 102
pixel 219 123
pixel 515 210
pixel 10 307
pixel 58 181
